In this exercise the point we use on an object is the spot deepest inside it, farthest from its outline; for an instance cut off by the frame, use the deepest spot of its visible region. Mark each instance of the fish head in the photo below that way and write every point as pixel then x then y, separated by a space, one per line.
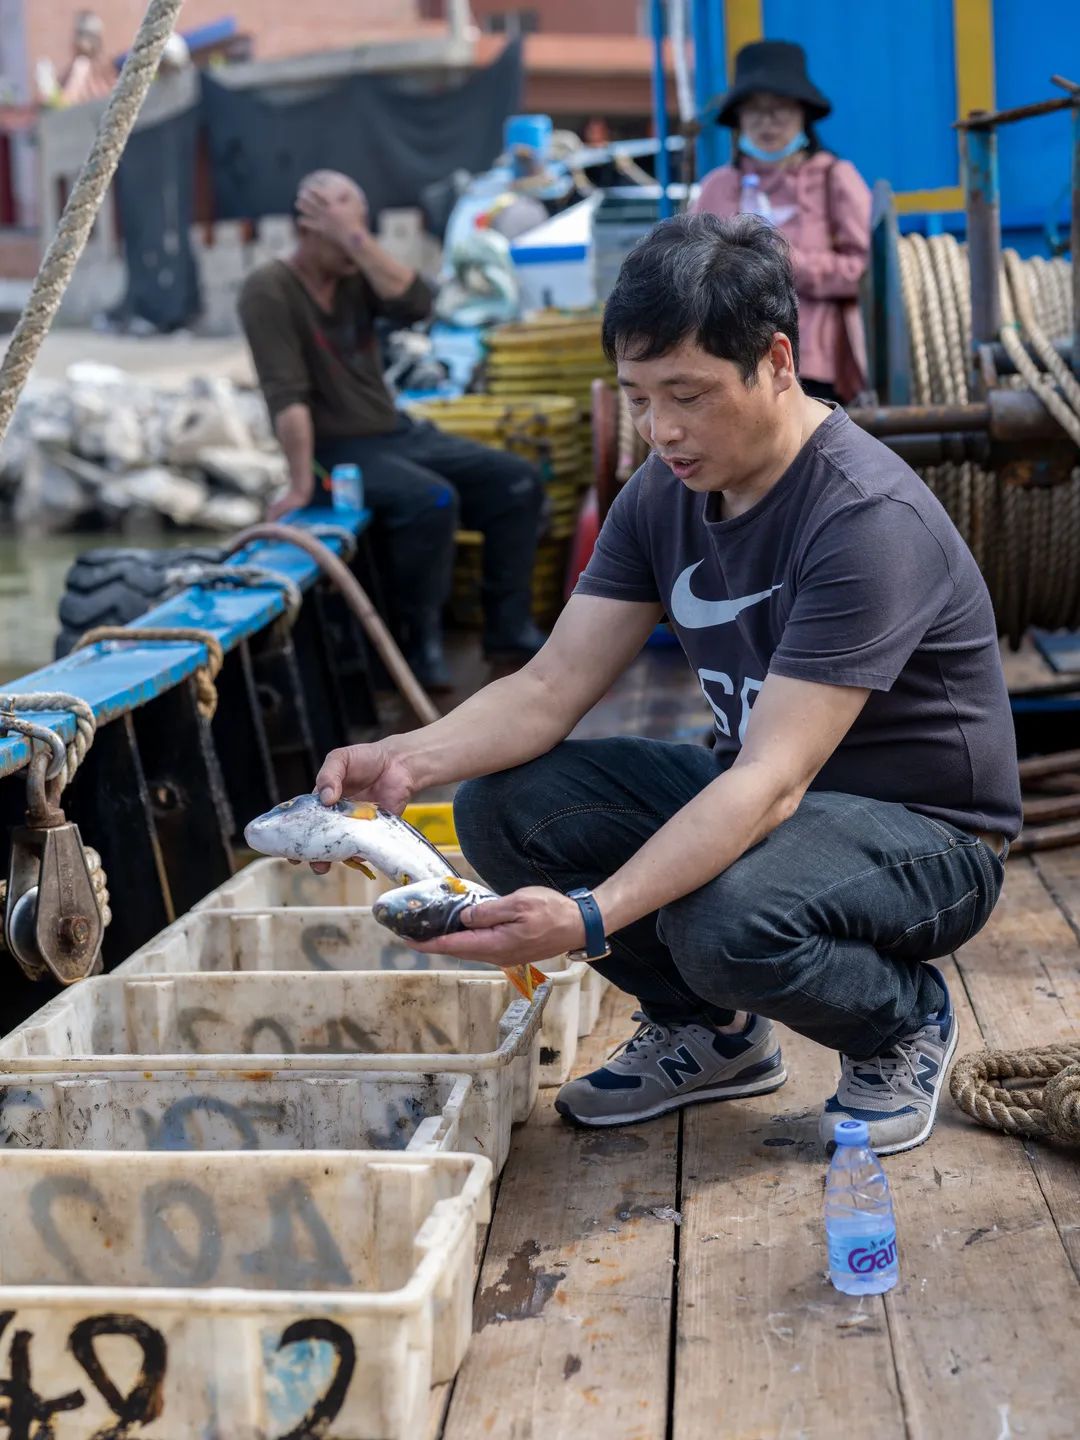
pixel 428 908
pixel 305 829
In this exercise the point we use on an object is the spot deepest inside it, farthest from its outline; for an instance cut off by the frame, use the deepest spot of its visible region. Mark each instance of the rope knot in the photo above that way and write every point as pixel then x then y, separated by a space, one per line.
pixel 206 696
pixel 66 759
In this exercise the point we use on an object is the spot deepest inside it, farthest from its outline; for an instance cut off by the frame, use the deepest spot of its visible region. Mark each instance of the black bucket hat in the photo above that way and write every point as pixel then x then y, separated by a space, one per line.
pixel 777 67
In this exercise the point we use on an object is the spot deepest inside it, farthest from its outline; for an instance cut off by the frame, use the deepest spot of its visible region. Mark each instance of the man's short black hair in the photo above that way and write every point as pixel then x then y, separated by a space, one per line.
pixel 727 284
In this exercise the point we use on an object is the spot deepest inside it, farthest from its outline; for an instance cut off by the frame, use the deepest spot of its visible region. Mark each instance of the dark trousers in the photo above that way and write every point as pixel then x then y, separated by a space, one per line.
pixel 824 925
pixel 422 485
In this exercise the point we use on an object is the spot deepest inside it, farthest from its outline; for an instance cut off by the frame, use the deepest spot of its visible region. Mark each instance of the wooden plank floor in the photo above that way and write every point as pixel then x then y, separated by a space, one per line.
pixel 599 1316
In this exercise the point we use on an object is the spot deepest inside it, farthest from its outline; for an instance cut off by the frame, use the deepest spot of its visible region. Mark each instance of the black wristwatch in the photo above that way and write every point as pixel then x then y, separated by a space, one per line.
pixel 596 943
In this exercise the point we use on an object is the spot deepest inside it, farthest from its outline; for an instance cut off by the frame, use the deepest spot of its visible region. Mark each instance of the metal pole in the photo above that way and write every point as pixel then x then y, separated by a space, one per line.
pixel 704 87
pixel 660 118
pixel 983 203
pixel 1075 241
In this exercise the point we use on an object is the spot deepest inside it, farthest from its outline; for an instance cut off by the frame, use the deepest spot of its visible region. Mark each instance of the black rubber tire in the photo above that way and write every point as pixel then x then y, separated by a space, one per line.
pixel 111 587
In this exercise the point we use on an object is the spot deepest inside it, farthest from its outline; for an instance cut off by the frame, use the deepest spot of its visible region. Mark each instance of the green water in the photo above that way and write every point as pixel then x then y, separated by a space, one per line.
pixel 32 571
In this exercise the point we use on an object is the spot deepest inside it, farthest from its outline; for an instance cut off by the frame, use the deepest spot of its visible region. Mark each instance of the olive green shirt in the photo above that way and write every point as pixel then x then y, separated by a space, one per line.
pixel 328 361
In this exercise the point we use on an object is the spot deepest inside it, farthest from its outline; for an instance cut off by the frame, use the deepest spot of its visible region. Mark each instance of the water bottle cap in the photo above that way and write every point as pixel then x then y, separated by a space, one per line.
pixel 345 472
pixel 751 179
pixel 851 1132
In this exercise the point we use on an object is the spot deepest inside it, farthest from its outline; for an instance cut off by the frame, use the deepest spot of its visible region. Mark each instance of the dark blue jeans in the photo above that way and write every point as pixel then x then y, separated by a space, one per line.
pixel 422 483
pixel 824 925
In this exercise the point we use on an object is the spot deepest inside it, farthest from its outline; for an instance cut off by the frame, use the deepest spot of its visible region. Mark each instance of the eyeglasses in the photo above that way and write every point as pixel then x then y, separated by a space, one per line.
pixel 768 110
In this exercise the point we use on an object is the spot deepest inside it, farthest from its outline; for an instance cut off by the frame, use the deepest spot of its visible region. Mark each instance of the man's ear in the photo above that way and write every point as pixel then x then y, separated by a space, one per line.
pixel 782 363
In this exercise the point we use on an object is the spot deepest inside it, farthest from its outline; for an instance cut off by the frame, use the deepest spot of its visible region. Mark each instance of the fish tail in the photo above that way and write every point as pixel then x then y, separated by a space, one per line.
pixel 521 981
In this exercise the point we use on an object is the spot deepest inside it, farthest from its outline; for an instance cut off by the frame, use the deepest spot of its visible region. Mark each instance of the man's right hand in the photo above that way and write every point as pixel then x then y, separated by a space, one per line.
pixel 366 772
pixel 295 498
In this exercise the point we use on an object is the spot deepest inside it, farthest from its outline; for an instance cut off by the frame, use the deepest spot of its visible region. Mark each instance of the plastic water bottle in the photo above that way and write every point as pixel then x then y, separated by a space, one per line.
pixel 347 487
pixel 752 199
pixel 859 1222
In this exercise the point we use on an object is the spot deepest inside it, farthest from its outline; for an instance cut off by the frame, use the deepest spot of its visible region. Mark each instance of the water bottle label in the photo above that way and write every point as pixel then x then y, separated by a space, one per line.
pixel 862 1254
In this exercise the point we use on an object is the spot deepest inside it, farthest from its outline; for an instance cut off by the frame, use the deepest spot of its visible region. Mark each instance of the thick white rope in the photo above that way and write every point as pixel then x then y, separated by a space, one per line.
pixel 83 204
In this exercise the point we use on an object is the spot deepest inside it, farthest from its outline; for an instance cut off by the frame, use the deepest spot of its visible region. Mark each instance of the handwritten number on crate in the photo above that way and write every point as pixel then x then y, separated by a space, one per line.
pixel 296 1227
pixel 145 1400
pixel 27 1415
pixel 316 1423
pixel 44 1196
pixel 166 1256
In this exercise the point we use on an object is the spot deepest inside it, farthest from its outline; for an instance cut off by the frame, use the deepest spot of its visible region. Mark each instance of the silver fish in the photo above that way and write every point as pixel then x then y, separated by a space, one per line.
pixel 429 908
pixel 356 832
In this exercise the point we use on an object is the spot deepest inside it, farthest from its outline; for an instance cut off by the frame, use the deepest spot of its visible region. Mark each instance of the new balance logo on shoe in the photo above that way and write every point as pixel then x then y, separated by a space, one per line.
pixel 679 1065
pixel 928 1069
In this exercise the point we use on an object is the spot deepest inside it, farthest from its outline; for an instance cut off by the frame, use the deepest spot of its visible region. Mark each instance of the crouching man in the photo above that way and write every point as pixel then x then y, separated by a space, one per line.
pixel 850 825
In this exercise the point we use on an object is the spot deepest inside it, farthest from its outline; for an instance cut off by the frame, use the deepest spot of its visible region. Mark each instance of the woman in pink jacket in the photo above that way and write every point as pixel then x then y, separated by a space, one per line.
pixel 822 204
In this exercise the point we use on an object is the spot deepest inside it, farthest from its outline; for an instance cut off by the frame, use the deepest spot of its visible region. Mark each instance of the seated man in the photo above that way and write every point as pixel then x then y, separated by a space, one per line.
pixel 309 322
pixel 851 823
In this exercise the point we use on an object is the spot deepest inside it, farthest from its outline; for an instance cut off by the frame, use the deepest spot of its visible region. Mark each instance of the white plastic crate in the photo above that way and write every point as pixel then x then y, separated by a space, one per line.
pixel 308 1022
pixel 230 1110
pixel 234 1298
pixel 325 940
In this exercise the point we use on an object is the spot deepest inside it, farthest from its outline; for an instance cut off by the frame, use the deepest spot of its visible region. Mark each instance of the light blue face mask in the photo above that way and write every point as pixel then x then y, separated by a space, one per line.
pixel 773 156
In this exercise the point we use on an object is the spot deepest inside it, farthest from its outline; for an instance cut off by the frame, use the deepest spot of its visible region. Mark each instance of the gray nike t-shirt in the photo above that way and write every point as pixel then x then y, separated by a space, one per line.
pixel 848 572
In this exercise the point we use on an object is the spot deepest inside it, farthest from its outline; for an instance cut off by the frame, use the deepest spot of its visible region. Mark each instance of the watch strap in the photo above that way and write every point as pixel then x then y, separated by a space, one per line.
pixel 596 945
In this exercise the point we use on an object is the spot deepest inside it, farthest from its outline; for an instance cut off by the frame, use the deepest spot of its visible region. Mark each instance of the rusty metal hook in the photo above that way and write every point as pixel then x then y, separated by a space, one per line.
pixel 43 810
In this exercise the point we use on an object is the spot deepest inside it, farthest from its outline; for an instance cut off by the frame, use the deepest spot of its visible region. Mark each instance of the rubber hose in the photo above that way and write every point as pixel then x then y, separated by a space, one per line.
pixel 355 596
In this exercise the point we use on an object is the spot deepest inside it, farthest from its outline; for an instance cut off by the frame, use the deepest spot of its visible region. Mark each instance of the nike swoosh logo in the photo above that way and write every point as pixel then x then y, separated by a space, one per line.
pixel 693 613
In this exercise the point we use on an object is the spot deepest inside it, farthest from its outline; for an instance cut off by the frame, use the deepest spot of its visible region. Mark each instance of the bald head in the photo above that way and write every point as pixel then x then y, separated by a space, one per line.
pixel 333 184
pixel 331 211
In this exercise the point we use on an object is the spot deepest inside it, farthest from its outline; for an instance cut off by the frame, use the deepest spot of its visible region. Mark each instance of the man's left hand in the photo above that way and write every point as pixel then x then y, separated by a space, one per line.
pixel 520 929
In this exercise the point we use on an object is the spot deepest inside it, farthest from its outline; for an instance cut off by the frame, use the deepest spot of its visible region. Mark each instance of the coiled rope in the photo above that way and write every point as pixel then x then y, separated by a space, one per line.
pixel 1048 1108
pixel 1025 541
pixel 85 199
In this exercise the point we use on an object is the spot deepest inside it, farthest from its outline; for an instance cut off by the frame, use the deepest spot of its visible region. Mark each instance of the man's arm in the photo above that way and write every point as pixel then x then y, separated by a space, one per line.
pixel 283 376
pixel 508 722
pixel 794 727
pixel 296 435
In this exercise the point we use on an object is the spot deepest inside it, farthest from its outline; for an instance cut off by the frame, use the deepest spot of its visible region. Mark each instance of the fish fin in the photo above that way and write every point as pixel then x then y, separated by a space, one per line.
pixel 536 976
pixel 518 978
pixel 355 864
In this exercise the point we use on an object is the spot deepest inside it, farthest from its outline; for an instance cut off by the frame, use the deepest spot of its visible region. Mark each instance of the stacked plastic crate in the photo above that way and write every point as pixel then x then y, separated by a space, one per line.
pixel 242 1175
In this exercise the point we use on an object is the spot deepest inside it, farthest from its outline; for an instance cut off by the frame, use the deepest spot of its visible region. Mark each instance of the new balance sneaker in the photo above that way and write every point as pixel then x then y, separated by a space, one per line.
pixel 897 1093
pixel 662 1067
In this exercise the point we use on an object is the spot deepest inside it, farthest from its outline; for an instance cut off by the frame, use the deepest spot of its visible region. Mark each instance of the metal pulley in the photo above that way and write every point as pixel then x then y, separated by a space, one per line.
pixel 52 924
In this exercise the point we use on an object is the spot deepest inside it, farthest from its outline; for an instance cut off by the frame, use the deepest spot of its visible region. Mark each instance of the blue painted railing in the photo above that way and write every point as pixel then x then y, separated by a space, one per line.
pixel 117 677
